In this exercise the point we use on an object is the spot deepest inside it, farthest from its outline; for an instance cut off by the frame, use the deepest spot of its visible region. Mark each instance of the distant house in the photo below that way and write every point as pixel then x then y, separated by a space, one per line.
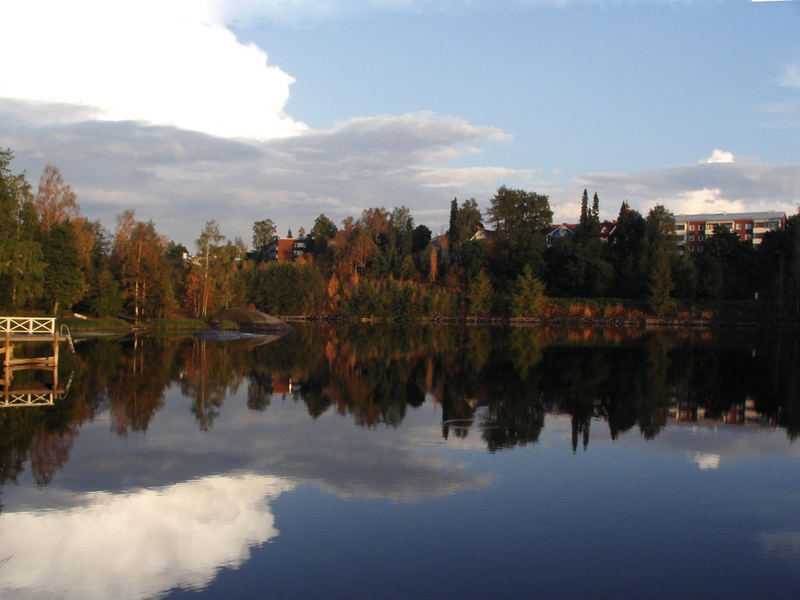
pixel 565 230
pixel 559 232
pixel 693 230
pixel 483 235
pixel 607 229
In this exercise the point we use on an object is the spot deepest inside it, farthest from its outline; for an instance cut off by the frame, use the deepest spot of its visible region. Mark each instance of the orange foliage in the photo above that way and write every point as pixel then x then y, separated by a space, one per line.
pixel 55 201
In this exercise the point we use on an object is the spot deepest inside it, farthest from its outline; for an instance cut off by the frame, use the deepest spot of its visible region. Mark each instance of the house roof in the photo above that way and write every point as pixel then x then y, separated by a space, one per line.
pixel 729 216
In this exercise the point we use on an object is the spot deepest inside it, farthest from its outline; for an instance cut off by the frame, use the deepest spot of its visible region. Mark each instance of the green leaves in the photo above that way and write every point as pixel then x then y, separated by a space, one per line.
pixel 528 299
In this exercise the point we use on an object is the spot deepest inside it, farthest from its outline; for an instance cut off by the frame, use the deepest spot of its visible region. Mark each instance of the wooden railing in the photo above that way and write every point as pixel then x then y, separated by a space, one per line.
pixel 28 325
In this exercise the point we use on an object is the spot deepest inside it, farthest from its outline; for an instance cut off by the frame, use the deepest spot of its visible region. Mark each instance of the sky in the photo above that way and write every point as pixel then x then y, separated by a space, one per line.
pixel 187 111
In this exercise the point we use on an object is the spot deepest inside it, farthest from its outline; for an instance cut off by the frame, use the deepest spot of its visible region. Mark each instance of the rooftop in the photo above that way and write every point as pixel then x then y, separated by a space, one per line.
pixel 728 216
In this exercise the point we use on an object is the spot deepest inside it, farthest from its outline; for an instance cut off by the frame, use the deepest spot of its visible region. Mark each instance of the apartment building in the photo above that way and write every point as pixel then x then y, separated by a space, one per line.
pixel 692 230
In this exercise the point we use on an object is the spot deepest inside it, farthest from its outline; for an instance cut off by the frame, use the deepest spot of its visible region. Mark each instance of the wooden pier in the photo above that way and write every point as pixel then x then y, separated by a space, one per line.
pixel 14 330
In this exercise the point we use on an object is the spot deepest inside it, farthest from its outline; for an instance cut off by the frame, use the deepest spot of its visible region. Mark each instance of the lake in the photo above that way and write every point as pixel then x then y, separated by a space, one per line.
pixel 408 461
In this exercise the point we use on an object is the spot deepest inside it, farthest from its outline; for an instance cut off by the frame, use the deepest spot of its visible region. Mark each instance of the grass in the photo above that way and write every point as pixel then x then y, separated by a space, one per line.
pixel 177 324
pixel 109 324
pixel 113 324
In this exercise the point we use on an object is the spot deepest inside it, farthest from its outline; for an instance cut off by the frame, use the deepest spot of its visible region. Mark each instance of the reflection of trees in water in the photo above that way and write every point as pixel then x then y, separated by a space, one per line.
pixel 259 390
pixel 496 382
pixel 211 371
pixel 136 388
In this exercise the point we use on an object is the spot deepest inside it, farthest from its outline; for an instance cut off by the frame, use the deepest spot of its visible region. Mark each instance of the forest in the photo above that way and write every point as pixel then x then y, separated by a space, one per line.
pixel 54 260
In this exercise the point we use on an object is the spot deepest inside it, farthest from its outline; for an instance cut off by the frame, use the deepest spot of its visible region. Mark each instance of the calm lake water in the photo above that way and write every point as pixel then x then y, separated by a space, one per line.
pixel 408 462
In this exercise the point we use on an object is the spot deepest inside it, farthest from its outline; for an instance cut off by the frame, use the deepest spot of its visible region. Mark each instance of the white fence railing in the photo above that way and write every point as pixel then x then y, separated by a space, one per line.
pixel 29 325
pixel 27 399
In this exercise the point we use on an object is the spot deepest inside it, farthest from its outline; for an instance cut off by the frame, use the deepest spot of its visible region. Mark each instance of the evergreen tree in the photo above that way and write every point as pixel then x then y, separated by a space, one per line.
pixel 63 280
pixel 661 285
pixel 452 231
pixel 584 218
pixel 480 295
pixel 528 299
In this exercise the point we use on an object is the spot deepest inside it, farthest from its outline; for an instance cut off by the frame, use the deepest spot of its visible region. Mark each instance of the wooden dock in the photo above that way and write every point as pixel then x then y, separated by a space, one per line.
pixel 14 330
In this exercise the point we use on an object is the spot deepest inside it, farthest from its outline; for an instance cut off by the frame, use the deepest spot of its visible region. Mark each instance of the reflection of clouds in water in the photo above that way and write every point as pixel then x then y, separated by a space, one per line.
pixel 781 544
pixel 330 451
pixel 700 442
pixel 138 544
pixel 706 460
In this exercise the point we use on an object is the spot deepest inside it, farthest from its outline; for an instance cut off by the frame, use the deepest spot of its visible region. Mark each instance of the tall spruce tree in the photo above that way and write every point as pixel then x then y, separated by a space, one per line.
pixel 452 232
pixel 584 219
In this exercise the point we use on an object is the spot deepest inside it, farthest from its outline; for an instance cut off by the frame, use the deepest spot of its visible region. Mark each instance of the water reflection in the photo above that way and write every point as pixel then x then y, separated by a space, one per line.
pixel 177 449
pixel 152 539
pixel 492 383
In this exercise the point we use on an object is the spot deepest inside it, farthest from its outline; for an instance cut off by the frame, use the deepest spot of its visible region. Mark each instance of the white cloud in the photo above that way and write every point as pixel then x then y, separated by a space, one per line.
pixel 159 62
pixel 152 540
pixel 790 77
pixel 181 179
pixel 719 156
pixel 707 461
pixel 705 187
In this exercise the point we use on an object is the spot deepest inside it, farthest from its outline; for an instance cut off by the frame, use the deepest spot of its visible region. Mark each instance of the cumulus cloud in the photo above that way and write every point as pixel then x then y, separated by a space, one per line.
pixel 159 62
pixel 153 540
pixel 719 156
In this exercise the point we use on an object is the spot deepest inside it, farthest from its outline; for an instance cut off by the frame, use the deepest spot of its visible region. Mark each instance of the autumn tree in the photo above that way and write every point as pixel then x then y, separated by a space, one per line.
pixel 211 261
pixel 231 286
pixel 354 247
pixel 139 256
pixel 55 201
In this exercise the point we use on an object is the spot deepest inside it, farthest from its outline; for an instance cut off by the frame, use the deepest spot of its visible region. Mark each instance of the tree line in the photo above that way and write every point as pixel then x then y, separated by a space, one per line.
pixel 381 264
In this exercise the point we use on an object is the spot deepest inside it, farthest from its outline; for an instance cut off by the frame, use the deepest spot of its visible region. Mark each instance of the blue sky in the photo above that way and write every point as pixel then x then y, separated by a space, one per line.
pixel 586 87
pixel 236 111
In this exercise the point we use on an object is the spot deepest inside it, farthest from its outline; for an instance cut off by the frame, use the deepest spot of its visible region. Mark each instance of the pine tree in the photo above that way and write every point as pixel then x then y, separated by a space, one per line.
pixel 452 232
pixel 661 286
pixel 528 298
pixel 584 221
pixel 480 295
